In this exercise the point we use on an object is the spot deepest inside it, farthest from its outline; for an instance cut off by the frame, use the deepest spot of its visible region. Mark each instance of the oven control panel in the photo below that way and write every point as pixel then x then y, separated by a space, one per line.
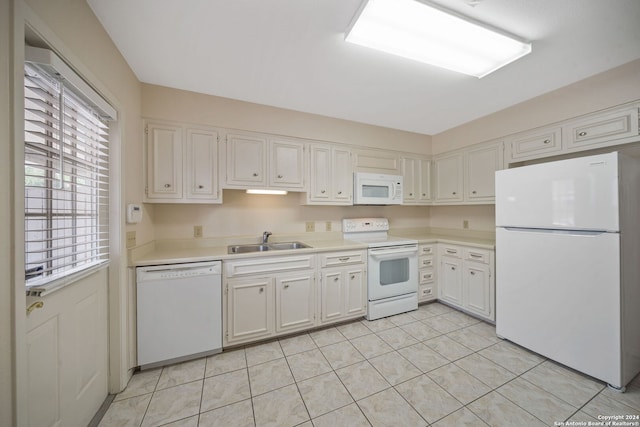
pixel 358 225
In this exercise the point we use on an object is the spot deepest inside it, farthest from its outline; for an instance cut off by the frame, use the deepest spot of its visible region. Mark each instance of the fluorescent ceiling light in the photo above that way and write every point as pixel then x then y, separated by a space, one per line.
pixel 265 191
pixel 428 34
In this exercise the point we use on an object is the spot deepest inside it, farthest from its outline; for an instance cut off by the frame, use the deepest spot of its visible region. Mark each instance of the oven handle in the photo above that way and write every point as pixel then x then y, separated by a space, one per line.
pixel 395 250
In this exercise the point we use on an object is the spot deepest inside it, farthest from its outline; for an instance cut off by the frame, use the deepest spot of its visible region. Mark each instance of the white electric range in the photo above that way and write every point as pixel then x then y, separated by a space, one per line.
pixel 392 266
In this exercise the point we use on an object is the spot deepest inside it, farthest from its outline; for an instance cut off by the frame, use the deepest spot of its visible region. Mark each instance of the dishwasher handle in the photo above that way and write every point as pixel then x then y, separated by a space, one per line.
pixel 178 271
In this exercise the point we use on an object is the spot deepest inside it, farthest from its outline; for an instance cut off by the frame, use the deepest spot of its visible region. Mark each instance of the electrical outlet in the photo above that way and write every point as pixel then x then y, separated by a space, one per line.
pixel 465 223
pixel 310 226
pixel 197 231
pixel 327 226
pixel 131 239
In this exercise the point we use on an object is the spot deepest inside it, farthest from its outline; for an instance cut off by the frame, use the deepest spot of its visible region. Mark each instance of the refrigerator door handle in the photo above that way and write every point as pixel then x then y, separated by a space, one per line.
pixel 554 231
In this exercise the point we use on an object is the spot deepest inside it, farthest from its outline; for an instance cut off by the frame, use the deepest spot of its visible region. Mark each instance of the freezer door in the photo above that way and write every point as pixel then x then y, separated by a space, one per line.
pixel 558 294
pixel 578 194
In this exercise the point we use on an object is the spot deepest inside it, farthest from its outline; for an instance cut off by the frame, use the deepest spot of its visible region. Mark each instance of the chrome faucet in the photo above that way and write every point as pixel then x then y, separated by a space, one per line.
pixel 265 236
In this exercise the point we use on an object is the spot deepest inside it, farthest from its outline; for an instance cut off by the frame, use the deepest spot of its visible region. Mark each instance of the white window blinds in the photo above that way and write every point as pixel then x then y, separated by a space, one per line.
pixel 66 147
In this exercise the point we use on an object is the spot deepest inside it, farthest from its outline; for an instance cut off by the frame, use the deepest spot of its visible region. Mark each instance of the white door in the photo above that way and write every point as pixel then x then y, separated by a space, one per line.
pixel 482 165
pixel 332 283
pixel 67 354
pixel 287 164
pixel 425 180
pixel 450 280
pixel 448 177
pixel 410 185
pixel 249 309
pixel 558 294
pixel 320 183
pixel 246 160
pixel 355 292
pixel 342 175
pixel 476 285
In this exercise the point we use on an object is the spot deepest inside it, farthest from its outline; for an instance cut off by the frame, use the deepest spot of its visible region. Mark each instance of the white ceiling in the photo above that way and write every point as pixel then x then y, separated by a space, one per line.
pixel 291 54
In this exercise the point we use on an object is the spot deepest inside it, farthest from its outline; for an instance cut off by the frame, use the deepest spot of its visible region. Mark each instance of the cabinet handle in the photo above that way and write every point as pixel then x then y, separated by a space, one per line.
pixel 339 192
pixel 473 273
pixel 452 251
pixel 324 191
pixel 353 276
pixel 474 192
pixel 261 290
pixel 546 141
pixel 279 176
pixel 201 186
pixel 286 286
pixel 454 193
pixel 37 304
pixel 583 133
pixel 475 255
pixel 335 279
pixel 411 194
pixel 343 259
pixel 255 174
pixel 167 185
pixel 453 269
pixel 424 195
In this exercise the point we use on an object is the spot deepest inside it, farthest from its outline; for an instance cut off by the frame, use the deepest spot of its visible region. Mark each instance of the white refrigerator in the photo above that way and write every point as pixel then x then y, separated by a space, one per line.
pixel 568 263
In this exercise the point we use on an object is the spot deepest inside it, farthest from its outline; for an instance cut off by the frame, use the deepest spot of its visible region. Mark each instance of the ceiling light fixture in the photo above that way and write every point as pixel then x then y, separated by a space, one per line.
pixel 426 33
pixel 265 191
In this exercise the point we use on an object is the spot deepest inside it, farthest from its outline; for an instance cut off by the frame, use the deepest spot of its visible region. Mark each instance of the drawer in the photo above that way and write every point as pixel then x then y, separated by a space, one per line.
pixel 477 255
pixel 427 292
pixel 537 143
pixel 426 249
pixel 427 275
pixel 268 265
pixel 450 250
pixel 335 259
pixel 425 261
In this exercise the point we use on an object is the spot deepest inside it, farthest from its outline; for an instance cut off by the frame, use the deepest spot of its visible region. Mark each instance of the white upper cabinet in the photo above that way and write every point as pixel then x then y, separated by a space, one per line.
pixel 164 161
pixel 416 172
pixel 376 161
pixel 534 144
pixel 287 164
pixel 480 169
pixel 262 161
pixel 246 161
pixel 181 163
pixel 448 176
pixel 330 175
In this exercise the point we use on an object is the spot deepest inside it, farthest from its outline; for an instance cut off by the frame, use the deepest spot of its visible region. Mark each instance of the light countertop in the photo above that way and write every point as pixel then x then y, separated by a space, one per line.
pixel 196 250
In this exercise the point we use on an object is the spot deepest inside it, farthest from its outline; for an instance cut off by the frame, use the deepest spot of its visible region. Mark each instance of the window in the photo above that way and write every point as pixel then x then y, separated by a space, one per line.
pixel 66 169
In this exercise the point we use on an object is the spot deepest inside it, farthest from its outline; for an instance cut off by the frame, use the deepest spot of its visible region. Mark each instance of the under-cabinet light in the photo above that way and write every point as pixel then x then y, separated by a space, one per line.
pixel 265 191
pixel 423 32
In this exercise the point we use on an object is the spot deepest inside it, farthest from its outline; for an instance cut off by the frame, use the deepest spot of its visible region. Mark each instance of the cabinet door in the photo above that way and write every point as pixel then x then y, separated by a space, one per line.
pixel 164 161
pixel 320 174
pixel 246 161
pixel 450 280
pixel 332 285
pixel 201 166
pixel 287 164
pixel 342 176
pixel 295 302
pixel 424 181
pixel 534 144
pixel 410 171
pixel 355 295
pixel 601 130
pixel 481 168
pixel 477 288
pixel 448 177
pixel 249 309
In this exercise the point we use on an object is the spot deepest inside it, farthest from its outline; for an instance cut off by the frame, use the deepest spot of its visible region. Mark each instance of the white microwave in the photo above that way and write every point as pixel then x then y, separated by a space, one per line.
pixel 377 189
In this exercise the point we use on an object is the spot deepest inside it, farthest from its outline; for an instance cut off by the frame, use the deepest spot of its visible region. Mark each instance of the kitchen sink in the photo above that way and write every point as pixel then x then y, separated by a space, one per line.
pixel 280 246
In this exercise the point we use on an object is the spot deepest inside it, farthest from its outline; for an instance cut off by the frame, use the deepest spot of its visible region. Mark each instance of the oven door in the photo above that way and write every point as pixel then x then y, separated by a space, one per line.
pixel 392 271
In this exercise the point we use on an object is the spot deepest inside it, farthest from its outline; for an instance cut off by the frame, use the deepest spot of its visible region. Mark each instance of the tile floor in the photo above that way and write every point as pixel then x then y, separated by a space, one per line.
pixel 434 366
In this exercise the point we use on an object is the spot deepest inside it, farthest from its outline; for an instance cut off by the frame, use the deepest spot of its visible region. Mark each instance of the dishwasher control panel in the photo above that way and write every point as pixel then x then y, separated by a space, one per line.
pixel 178 271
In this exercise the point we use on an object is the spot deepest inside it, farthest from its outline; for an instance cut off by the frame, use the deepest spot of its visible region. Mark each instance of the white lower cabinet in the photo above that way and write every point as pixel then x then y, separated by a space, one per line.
pixel 466 280
pixel 343 287
pixel 268 296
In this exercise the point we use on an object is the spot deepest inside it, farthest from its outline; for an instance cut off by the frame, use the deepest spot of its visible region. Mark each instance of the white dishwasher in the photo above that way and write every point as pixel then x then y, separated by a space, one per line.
pixel 179 312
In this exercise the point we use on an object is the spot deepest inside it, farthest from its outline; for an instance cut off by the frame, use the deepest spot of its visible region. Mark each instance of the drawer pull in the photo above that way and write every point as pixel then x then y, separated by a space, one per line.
pixel 323 191
pixel 279 176
pixel 454 193
pixel 475 255
pixel 411 194
pixel 474 192
pixel 344 259
pixel 286 286
pixel 339 192
pixel 546 141
pixel 201 186
pixel 452 251
pixel 583 133
pixel 473 273
pixel 167 186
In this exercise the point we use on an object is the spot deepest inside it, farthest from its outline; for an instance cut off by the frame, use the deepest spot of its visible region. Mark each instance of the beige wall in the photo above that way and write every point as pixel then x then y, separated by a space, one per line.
pixel 243 214
pixel 190 107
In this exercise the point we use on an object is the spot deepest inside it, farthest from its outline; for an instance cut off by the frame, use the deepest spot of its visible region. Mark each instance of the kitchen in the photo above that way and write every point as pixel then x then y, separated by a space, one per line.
pixel 236 216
